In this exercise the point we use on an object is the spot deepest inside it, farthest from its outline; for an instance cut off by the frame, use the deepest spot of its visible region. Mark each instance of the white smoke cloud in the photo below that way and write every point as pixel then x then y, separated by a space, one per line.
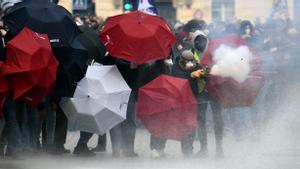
pixel 230 62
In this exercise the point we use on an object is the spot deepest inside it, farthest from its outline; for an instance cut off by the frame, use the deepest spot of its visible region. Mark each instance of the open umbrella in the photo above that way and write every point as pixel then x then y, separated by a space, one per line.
pixel 228 91
pixel 30 66
pixel 72 68
pixel 46 18
pixel 167 107
pixel 4 85
pixel 4 88
pixel 137 37
pixel 99 102
pixel 90 40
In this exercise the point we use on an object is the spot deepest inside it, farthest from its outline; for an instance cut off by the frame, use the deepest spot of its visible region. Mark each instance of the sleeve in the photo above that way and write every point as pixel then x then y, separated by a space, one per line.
pixel 207 58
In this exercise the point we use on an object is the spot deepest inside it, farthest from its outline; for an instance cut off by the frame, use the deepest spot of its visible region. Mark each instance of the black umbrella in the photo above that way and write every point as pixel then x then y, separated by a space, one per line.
pixel 90 40
pixel 47 18
pixel 72 68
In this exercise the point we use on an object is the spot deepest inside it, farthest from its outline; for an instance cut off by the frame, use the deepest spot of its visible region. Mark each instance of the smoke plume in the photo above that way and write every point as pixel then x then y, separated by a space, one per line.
pixel 230 62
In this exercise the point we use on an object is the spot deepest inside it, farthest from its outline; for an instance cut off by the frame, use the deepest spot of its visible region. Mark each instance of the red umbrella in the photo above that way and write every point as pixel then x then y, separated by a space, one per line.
pixel 137 37
pixel 4 88
pixel 30 66
pixel 228 91
pixel 4 85
pixel 167 107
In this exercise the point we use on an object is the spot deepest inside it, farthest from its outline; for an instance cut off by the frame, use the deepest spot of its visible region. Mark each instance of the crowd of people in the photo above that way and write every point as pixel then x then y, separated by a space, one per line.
pixel 29 130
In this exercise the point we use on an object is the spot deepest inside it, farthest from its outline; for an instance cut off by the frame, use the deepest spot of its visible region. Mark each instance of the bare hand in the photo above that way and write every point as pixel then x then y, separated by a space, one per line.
pixel 3 32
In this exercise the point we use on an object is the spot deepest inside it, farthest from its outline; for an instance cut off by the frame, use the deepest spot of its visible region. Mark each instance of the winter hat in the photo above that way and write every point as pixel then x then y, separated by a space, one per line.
pixel 187 55
pixel 194 24
pixel 6 4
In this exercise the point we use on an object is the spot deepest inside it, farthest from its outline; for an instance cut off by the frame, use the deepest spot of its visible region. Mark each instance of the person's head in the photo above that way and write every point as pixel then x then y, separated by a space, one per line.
pixel 194 25
pixel 246 28
pixel 198 40
pixel 187 60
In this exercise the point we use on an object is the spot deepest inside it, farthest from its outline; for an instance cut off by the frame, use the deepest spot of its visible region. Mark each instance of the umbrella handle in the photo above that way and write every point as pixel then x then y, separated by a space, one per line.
pixel 90 62
pixel 121 105
pixel 3 42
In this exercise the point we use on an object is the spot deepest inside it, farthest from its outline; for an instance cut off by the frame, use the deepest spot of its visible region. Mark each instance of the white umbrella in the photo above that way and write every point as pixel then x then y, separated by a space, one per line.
pixel 99 102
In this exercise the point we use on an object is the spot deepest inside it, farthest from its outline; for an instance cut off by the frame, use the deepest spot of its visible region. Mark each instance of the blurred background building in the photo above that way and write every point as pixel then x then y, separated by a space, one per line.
pixel 186 9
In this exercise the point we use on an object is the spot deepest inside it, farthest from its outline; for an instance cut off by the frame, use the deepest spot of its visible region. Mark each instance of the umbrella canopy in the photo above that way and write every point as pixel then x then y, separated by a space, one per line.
pixel 167 107
pixel 137 37
pixel 4 85
pixel 99 102
pixel 227 90
pixel 72 68
pixel 89 39
pixel 47 18
pixel 30 66
pixel 4 88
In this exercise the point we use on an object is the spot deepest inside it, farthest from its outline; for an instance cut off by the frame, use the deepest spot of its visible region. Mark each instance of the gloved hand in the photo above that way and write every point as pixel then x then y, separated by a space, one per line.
pixel 197 73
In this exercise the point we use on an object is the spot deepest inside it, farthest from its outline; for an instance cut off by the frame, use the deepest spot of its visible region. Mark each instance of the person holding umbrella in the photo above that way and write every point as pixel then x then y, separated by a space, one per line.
pixel 11 133
pixel 125 38
pixel 183 66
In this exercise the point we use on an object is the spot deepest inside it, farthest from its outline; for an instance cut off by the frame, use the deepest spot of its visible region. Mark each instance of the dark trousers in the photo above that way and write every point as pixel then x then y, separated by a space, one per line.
pixel 116 139
pixel 128 127
pixel 12 133
pixel 102 142
pixel 115 134
pixel 84 137
pixel 186 143
pixel 61 128
pixel 46 124
pixel 203 101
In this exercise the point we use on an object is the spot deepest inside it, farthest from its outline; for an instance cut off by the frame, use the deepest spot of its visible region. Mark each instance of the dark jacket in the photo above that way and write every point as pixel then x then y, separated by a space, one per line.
pixel 180 72
pixel 147 73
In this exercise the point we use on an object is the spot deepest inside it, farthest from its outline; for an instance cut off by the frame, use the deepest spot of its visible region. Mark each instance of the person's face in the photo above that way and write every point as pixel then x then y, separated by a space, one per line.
pixel 189 64
pixel 248 31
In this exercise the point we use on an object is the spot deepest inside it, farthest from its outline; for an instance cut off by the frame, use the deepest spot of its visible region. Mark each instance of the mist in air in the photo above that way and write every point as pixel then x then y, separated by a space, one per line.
pixel 265 135
pixel 231 62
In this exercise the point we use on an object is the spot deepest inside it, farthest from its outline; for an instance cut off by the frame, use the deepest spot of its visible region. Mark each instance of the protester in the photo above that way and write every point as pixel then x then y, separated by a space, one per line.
pixel 276 41
pixel 199 41
pixel 182 68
